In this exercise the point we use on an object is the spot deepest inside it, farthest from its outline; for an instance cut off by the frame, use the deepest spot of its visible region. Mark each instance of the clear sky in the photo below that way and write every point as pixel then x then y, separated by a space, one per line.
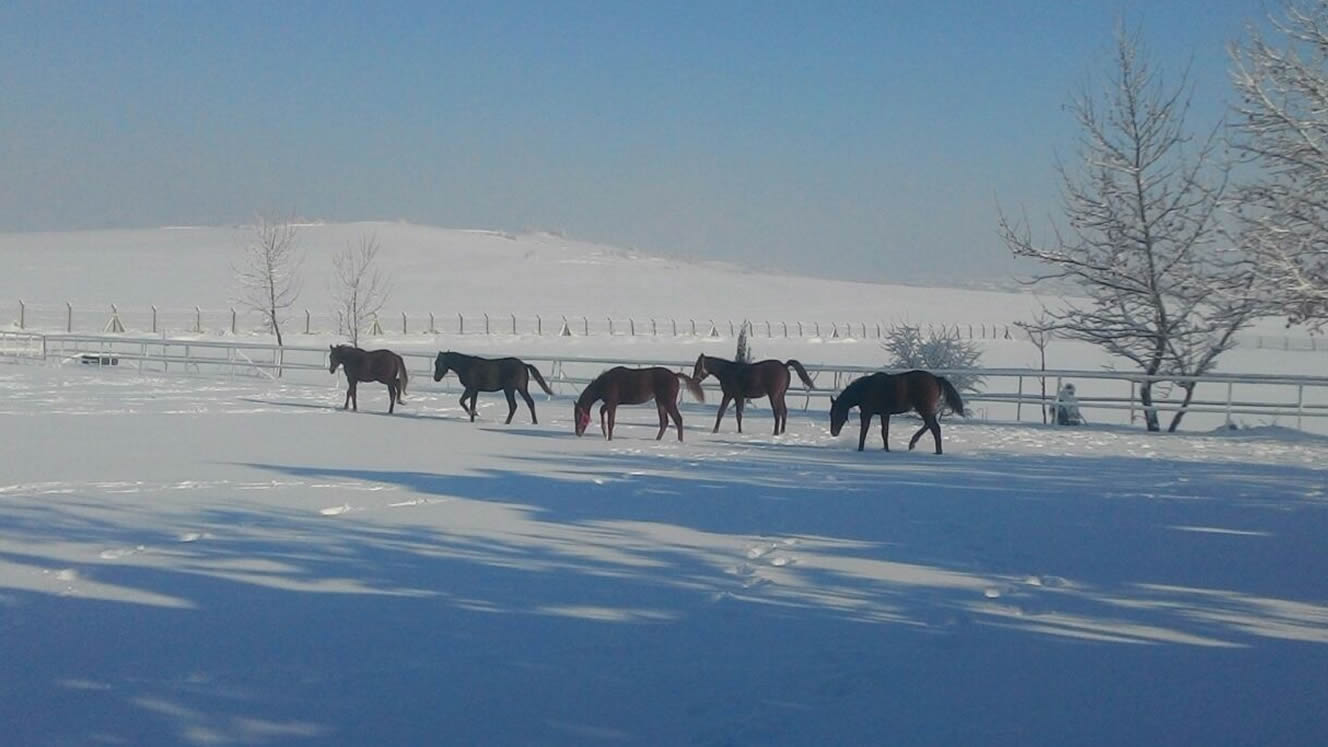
pixel 867 140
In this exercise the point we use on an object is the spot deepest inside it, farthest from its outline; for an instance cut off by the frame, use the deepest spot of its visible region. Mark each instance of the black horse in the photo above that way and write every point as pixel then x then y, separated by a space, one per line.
pixel 633 386
pixel 888 394
pixel 744 381
pixel 478 374
pixel 383 366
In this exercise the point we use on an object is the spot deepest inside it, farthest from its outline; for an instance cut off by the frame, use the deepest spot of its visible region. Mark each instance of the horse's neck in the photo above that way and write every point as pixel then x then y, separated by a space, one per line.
pixel 589 395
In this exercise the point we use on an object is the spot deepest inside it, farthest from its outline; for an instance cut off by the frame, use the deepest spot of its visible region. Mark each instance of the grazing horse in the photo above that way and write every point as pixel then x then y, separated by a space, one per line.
pixel 888 394
pixel 744 381
pixel 633 386
pixel 478 374
pixel 383 366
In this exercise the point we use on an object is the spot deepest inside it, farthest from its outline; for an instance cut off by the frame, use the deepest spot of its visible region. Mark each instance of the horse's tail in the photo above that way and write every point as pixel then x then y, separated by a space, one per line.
pixel 693 386
pixel 802 372
pixel 539 379
pixel 403 377
pixel 952 398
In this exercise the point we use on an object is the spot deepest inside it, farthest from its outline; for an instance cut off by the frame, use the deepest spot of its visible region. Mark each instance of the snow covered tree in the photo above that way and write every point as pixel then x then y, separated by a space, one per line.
pixel 744 353
pixel 1040 331
pixel 1281 126
pixel 1140 240
pixel 359 288
pixel 268 273
pixel 909 348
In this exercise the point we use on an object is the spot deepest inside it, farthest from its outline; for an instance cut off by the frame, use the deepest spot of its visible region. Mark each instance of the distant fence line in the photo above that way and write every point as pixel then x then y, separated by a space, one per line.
pixel 235 321
pixel 1007 393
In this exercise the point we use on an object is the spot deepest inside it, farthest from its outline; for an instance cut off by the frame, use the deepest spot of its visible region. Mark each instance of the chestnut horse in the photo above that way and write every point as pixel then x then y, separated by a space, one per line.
pixel 889 394
pixel 383 366
pixel 633 386
pixel 744 381
pixel 511 375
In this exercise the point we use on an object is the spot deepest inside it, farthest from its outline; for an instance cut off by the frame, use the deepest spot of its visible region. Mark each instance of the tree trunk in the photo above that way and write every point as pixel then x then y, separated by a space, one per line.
pixel 1146 397
pixel 1189 395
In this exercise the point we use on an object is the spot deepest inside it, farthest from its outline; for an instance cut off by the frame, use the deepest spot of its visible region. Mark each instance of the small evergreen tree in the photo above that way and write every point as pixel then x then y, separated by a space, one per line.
pixel 744 353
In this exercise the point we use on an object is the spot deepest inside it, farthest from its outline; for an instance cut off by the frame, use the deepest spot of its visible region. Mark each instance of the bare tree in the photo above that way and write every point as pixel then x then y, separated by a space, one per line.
pixel 359 288
pixel 1141 229
pixel 268 272
pixel 1281 126
pixel 1040 330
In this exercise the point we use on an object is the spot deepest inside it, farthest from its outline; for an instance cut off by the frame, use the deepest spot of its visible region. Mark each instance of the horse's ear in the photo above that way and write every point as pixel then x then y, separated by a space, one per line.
pixel 833 399
pixel 331 347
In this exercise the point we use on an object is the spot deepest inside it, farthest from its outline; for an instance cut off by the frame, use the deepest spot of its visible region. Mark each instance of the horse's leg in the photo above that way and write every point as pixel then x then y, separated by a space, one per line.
pixel 474 408
pixel 780 410
pixel 914 441
pixel 865 418
pixel 613 415
pixel 885 430
pixel 511 405
pixel 391 398
pixel 349 384
pixel 529 403
pixel 737 410
pixel 603 413
pixel 723 405
pixel 354 398
pixel 935 426
pixel 662 409
pixel 677 418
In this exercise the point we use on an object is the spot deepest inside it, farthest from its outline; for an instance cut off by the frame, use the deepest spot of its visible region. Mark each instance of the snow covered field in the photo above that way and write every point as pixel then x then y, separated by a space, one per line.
pixel 203 560
pixel 198 561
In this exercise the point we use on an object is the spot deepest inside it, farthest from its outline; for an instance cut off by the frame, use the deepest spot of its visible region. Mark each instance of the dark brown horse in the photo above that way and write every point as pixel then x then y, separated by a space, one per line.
pixel 633 386
pixel 383 366
pixel 744 381
pixel 889 394
pixel 511 375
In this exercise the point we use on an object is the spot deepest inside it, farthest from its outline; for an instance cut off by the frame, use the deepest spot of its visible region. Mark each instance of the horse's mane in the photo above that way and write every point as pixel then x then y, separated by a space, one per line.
pixel 591 392
pixel 852 394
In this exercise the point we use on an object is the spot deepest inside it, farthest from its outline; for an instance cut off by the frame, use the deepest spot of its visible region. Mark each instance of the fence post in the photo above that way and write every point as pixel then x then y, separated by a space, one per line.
pixel 693 321
pixel 610 326
pixel 878 330
pixel 654 331
pixel 1300 404
pixel 675 327
pixel 432 329
pixel 730 328
pixel 799 329
pixel 154 319
pixel 785 326
pixel 20 314
pixel 539 325
pixel 486 324
pixel 631 326
pixel 514 324
pixel 403 322
pixel 1019 404
pixel 1229 386
pixel 585 326
pixel 818 329
pixel 198 320
pixel 69 317
pixel 461 324
pixel 233 324
pixel 307 321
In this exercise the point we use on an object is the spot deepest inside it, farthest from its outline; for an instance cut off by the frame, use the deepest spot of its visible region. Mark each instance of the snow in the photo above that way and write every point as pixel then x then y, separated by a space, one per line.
pixel 205 560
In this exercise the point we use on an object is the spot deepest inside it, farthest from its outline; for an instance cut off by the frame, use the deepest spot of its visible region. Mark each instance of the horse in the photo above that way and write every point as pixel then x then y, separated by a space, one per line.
pixel 478 374
pixel 633 386
pixel 888 394
pixel 383 366
pixel 744 381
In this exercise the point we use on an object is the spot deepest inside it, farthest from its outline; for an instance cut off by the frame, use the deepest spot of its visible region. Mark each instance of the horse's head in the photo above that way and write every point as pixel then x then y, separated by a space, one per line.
pixel 440 367
pixel 333 358
pixel 699 371
pixel 838 415
pixel 582 417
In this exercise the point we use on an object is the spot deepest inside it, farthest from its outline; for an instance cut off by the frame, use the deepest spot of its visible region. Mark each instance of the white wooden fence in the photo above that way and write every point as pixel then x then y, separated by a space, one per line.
pixel 1006 393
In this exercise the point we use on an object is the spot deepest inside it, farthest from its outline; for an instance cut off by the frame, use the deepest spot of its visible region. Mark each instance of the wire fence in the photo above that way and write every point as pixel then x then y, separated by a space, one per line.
pixel 115 319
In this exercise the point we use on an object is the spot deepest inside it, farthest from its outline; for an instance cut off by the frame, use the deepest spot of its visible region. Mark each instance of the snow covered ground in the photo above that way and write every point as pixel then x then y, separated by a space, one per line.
pixel 207 560
pixel 199 561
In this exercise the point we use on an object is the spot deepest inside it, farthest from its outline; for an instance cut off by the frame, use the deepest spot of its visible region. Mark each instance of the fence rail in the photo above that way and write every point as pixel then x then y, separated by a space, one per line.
pixel 1006 394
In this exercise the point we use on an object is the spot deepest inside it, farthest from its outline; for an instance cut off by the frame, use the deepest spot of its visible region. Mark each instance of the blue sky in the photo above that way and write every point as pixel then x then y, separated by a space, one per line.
pixel 867 140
